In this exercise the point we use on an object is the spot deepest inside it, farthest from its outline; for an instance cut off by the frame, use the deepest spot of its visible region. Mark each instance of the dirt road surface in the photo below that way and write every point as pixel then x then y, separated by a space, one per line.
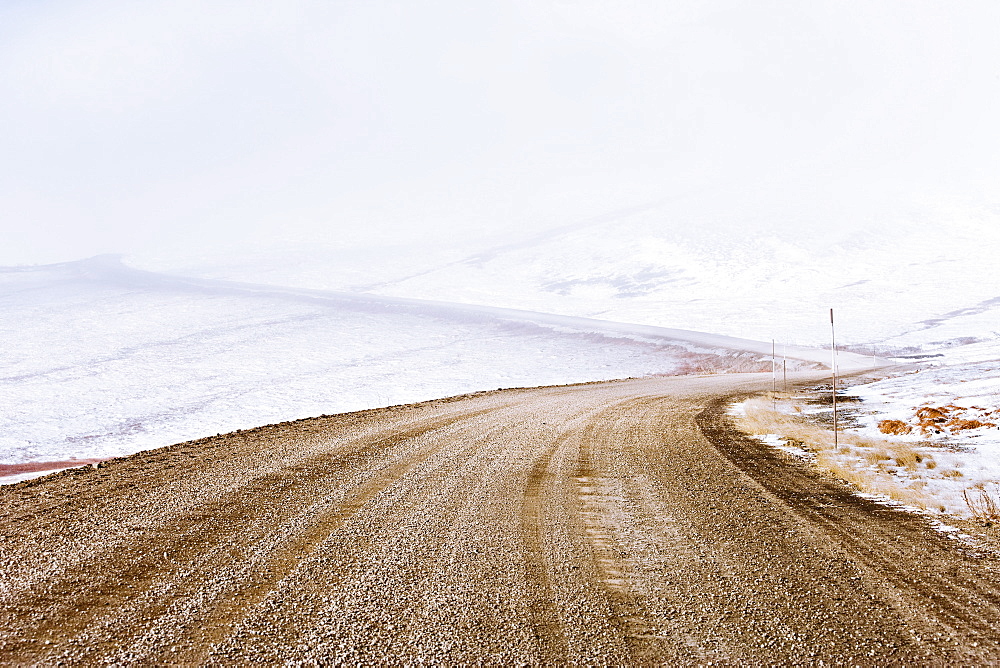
pixel 613 523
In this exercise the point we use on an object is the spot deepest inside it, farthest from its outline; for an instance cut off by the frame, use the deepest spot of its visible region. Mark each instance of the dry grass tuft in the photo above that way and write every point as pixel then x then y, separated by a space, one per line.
pixel 874 457
pixel 760 418
pixel 860 460
pixel 957 424
pixel 931 414
pixel 983 505
pixel 873 482
pixel 937 420
pixel 906 457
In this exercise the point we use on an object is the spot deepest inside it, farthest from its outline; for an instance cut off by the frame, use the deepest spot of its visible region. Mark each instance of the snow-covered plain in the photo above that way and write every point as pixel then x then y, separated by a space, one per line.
pixel 926 432
pixel 963 382
pixel 101 360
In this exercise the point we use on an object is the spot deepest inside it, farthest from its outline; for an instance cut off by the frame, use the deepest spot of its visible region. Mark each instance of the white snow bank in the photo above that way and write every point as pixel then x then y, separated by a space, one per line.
pixel 100 360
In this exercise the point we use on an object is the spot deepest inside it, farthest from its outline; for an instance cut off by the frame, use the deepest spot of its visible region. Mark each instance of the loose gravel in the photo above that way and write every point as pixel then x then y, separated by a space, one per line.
pixel 612 523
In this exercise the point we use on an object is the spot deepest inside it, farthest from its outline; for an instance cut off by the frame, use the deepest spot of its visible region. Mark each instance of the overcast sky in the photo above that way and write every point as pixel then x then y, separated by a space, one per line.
pixel 129 125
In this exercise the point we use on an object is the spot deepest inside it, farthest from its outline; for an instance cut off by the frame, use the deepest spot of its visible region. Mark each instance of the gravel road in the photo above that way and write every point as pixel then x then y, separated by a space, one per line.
pixel 611 523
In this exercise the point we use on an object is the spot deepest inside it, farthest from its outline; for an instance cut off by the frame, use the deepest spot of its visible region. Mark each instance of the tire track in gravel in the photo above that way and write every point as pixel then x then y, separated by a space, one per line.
pixel 545 617
pixel 576 539
pixel 613 497
pixel 615 523
pixel 408 529
pixel 539 513
pixel 950 601
pixel 779 587
pixel 207 534
pixel 629 616
pixel 286 557
pixel 281 596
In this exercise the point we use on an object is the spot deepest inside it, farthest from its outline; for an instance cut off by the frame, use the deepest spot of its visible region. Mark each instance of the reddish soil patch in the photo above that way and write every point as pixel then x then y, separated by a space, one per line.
pixel 959 425
pixel 935 420
pixel 35 467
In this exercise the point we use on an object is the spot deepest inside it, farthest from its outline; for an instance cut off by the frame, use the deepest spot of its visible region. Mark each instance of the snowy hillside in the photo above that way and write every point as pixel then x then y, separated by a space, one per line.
pixel 101 360
pixel 104 358
pixel 897 278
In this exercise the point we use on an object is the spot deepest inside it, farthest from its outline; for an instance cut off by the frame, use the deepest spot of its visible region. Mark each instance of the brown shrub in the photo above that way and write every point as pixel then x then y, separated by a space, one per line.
pixel 896 427
pixel 931 414
pixel 957 424
pixel 932 418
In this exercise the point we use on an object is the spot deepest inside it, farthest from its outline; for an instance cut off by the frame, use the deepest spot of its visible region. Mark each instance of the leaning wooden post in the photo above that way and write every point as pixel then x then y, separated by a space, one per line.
pixel 774 379
pixel 784 367
pixel 833 368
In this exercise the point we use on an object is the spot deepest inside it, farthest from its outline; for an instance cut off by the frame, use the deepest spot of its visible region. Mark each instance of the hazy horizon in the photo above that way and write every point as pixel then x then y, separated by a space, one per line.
pixel 185 126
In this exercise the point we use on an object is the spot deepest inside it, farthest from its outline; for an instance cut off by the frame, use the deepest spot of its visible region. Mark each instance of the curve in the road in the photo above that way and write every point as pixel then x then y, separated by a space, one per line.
pixel 622 522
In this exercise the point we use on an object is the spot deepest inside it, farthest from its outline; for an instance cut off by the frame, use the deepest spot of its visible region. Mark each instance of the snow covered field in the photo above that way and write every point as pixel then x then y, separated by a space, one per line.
pixel 949 407
pixel 926 435
pixel 100 360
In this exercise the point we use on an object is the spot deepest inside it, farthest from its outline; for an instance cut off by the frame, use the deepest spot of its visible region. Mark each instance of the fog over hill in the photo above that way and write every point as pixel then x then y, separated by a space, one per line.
pixel 895 281
pixel 441 127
